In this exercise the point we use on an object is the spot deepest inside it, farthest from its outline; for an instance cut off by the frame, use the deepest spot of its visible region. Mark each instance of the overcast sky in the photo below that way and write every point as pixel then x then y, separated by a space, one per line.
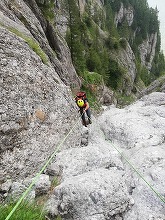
pixel 161 8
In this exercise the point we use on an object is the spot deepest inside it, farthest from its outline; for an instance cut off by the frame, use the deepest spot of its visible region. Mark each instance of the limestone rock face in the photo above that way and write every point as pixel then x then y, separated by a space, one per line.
pixel 138 132
pixel 77 161
pixel 106 96
pixel 126 58
pixel 36 109
pixel 43 184
pixel 95 180
pixel 92 184
pixel 17 189
pixel 93 3
pixel 147 50
pixel 26 20
pixel 61 18
pixel 127 13
pixel 89 178
pixel 90 196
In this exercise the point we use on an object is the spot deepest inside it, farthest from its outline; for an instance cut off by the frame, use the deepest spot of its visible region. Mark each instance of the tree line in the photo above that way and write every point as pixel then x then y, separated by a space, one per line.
pixel 90 47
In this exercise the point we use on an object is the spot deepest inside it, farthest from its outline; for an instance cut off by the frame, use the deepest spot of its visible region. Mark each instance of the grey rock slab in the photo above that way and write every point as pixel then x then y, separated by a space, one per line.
pixel 77 161
pixel 147 48
pixel 42 186
pixel 5 187
pixel 16 191
pixel 138 133
pixel 98 194
pixel 141 122
pixel 31 92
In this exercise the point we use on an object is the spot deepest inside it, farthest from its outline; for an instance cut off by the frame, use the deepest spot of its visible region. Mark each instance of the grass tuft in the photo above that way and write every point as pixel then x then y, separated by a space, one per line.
pixel 26 211
pixel 32 44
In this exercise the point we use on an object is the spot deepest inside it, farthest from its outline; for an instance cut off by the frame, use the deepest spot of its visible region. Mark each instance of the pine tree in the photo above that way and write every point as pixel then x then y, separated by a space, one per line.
pixel 76 47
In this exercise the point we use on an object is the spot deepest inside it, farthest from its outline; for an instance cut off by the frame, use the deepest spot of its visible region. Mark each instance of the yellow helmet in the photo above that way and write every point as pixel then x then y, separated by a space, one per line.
pixel 80 103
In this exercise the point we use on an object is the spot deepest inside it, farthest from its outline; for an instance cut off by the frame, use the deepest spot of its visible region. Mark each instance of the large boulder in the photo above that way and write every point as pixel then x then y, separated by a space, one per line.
pixel 99 194
pixel 76 161
pixel 92 183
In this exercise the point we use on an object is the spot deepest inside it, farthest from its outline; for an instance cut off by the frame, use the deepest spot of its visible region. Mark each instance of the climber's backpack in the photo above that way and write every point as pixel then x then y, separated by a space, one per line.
pixel 80 95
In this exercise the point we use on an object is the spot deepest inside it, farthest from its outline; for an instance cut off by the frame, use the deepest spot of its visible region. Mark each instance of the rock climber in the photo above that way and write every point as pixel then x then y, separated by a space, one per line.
pixel 83 104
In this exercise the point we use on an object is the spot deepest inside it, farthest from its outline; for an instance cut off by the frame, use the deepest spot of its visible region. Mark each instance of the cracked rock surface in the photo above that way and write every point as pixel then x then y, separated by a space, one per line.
pixel 96 181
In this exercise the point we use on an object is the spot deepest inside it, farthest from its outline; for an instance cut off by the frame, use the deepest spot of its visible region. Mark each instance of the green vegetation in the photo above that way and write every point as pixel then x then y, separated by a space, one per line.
pixel 32 44
pixel 123 43
pixel 116 74
pixel 75 36
pixel 93 36
pixel 37 49
pixel 92 78
pixel 158 66
pixel 47 8
pixel 124 100
pixel 124 30
pixel 26 211
pixel 115 5
pixel 92 98
pixel 55 182
pixel 58 217
pixel 89 48
pixel 91 82
pixel 146 76
pixel 112 43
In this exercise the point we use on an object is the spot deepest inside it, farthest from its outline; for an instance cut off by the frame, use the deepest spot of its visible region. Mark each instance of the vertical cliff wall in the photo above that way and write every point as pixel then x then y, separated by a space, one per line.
pixel 36 108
